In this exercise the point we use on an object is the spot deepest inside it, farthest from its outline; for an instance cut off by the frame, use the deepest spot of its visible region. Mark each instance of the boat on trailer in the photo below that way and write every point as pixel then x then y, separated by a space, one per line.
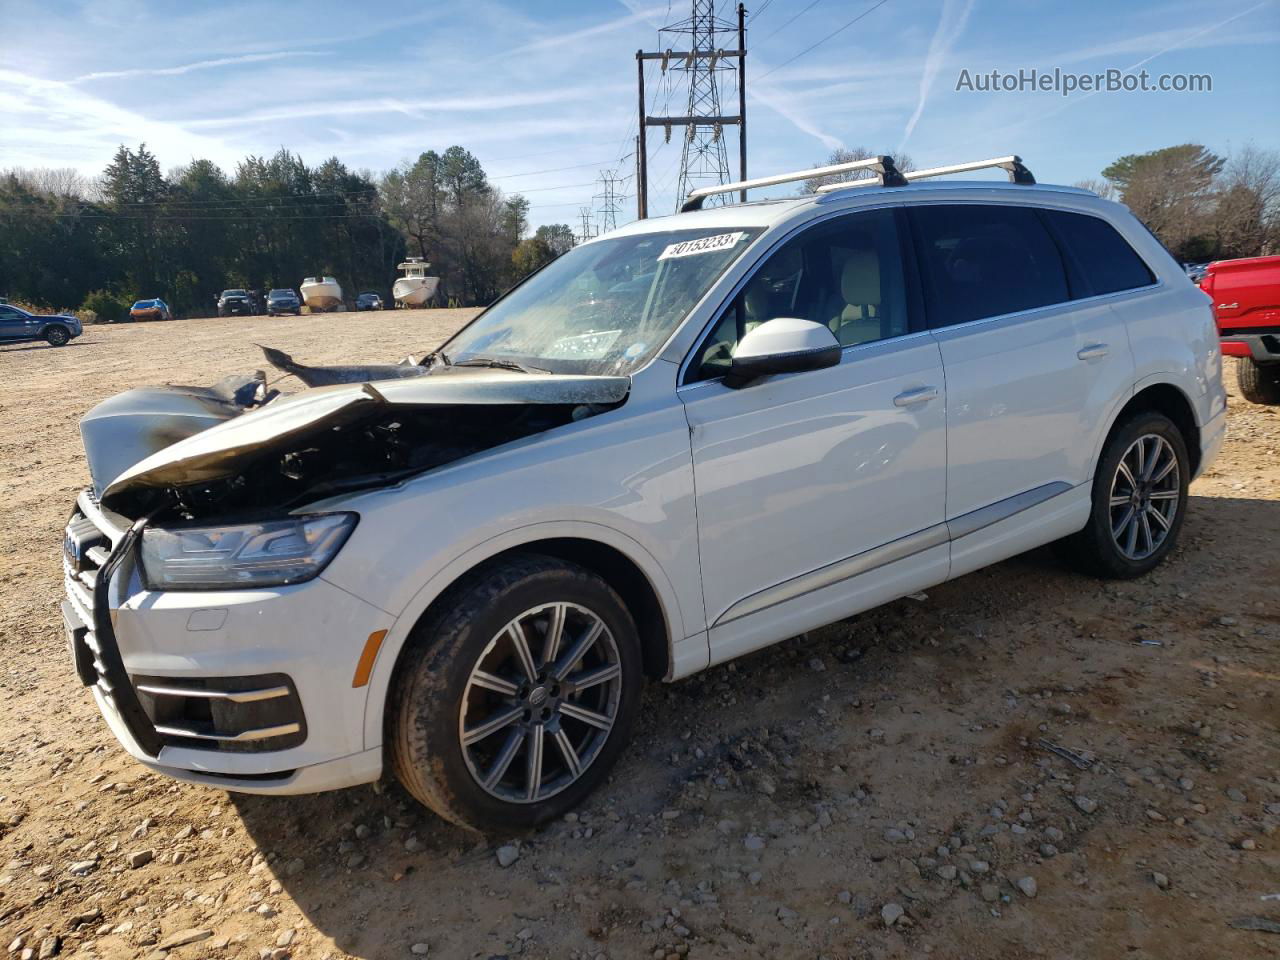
pixel 415 288
pixel 321 294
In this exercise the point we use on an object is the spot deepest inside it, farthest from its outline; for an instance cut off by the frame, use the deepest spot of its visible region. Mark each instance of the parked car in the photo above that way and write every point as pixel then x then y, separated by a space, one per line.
pixel 368 301
pixel 461 569
pixel 283 301
pixel 150 310
pixel 17 324
pixel 1246 303
pixel 235 302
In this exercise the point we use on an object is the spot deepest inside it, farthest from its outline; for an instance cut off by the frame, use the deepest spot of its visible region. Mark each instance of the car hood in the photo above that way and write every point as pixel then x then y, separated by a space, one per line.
pixel 172 437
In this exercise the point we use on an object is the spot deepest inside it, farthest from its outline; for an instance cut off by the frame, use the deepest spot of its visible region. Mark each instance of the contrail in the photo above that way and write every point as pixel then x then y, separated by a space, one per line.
pixel 198 65
pixel 950 26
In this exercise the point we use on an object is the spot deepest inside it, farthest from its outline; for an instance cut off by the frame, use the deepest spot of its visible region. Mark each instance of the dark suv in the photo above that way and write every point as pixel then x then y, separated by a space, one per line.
pixel 235 301
pixel 283 301
pixel 368 301
pixel 16 324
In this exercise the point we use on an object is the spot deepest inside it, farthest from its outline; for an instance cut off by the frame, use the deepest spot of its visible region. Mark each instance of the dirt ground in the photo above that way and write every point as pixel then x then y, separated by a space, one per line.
pixel 778 806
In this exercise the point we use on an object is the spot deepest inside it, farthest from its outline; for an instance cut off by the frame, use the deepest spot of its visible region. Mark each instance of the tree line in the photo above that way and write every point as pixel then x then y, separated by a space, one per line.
pixel 68 241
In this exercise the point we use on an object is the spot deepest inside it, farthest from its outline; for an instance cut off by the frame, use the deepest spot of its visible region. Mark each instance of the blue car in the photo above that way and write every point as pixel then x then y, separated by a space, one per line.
pixel 17 324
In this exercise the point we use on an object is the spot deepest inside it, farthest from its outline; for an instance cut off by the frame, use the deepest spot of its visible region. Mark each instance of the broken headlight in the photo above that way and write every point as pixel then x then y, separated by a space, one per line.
pixel 268 554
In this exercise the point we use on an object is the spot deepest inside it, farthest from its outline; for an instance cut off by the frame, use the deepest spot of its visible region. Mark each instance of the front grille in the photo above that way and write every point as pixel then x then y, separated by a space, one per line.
pixel 86 545
pixel 230 714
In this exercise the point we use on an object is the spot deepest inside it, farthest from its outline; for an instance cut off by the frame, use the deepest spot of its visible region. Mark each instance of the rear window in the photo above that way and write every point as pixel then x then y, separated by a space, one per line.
pixel 985 260
pixel 1104 257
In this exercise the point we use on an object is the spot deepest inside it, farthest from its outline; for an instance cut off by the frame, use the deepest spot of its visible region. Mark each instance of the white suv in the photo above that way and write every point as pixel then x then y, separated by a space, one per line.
pixel 678 443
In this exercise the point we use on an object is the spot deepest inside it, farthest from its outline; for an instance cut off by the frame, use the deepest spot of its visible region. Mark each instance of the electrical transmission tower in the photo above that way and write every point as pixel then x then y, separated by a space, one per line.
pixel 608 197
pixel 587 233
pixel 705 156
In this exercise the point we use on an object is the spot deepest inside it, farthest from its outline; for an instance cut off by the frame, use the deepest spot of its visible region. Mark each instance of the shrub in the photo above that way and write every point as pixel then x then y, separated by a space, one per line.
pixel 105 306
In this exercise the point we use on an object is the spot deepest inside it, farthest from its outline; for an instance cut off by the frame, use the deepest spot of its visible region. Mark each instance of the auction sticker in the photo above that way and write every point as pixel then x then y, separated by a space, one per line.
pixel 691 248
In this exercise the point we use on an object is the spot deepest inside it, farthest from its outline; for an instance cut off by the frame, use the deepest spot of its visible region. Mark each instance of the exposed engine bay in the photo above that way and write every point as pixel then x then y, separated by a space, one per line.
pixel 240 448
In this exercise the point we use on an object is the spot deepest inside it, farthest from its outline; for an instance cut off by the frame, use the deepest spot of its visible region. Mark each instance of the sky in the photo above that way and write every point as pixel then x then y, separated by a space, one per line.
pixel 544 93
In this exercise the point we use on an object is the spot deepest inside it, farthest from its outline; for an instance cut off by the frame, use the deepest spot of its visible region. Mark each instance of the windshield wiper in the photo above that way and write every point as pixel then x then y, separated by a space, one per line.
pixel 498 364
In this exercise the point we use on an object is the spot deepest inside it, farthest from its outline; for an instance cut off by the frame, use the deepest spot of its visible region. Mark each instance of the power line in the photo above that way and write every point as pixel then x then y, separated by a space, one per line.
pixel 762 8
pixel 792 20
pixel 870 9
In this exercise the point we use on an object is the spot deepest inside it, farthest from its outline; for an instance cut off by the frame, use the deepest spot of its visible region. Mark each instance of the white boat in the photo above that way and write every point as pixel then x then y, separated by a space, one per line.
pixel 321 294
pixel 415 288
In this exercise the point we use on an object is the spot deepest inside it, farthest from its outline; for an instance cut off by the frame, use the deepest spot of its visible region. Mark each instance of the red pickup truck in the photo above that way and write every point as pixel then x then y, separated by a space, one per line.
pixel 1246 302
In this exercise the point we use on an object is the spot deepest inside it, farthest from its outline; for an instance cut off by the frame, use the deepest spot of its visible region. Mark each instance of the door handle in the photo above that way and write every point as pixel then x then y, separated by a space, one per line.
pixel 910 398
pixel 1094 351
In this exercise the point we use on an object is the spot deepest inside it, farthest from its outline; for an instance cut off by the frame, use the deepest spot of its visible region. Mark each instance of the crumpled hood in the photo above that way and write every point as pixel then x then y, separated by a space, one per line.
pixel 129 427
pixel 224 446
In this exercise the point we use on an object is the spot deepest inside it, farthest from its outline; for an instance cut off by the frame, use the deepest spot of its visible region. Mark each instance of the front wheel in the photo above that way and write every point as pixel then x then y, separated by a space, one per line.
pixel 57 336
pixel 1139 500
pixel 516 695
pixel 1258 383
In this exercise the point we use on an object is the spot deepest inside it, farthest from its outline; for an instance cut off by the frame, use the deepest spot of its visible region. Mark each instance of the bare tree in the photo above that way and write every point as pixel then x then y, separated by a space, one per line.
pixel 1103 188
pixel 1247 216
pixel 842 155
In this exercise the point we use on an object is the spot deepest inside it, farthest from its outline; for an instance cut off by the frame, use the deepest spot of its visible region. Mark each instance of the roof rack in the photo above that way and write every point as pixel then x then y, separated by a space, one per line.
pixel 883 167
pixel 1013 164
pixel 886 174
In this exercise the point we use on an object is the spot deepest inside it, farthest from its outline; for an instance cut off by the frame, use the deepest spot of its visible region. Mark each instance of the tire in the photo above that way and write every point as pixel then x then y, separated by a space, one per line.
pixel 435 695
pixel 1098 549
pixel 1258 383
pixel 57 336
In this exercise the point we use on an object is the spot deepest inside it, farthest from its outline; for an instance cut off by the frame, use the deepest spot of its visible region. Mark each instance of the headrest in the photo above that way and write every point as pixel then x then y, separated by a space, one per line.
pixel 860 277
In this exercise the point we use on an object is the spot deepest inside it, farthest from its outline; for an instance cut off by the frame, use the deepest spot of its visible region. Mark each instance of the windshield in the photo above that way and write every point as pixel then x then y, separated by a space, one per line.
pixel 604 307
pixel 234 293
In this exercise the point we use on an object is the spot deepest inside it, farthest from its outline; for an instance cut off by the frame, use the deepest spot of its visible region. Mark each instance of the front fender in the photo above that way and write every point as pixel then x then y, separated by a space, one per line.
pixel 686 655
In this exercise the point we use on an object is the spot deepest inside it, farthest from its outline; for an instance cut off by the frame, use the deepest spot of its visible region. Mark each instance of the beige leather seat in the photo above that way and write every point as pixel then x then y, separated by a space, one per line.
pixel 859 320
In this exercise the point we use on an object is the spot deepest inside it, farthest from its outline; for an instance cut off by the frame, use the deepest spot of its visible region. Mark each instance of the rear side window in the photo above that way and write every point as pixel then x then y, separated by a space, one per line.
pixel 1105 260
pixel 985 260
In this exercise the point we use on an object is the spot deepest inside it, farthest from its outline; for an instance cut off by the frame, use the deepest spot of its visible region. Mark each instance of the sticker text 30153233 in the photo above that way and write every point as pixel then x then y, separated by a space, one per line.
pixel 689 248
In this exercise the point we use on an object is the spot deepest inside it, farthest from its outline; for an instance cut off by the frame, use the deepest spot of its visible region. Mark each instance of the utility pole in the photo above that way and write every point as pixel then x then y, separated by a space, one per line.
pixel 704 156
pixel 608 198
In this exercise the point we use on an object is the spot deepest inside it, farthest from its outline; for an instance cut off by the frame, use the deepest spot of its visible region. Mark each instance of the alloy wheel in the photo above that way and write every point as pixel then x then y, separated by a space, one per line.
pixel 540 702
pixel 1145 492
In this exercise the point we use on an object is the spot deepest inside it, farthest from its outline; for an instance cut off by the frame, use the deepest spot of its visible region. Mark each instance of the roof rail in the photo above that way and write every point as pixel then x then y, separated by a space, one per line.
pixel 1013 164
pixel 882 166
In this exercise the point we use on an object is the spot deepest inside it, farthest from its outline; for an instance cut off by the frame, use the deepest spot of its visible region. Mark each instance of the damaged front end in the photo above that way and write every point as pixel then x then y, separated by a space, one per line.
pixel 237 449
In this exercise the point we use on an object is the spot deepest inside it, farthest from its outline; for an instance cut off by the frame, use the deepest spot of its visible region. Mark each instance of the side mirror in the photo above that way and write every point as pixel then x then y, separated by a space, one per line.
pixel 782 345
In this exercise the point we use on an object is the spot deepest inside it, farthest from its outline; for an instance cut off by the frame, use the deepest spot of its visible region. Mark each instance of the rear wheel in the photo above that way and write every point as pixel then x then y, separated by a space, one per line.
pixel 1258 383
pixel 57 336
pixel 516 696
pixel 1139 500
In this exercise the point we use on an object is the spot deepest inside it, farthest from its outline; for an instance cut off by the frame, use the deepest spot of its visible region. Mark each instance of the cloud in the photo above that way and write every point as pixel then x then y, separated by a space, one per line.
pixel 198 65
pixel 413 108
pixel 564 39
pixel 46 119
pixel 950 26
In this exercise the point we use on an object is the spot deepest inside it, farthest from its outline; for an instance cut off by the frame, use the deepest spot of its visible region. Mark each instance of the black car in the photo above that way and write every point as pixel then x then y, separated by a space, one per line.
pixel 283 301
pixel 369 301
pixel 235 301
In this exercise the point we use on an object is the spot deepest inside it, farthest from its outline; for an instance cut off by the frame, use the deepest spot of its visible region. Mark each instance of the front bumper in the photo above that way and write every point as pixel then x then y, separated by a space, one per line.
pixel 246 690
